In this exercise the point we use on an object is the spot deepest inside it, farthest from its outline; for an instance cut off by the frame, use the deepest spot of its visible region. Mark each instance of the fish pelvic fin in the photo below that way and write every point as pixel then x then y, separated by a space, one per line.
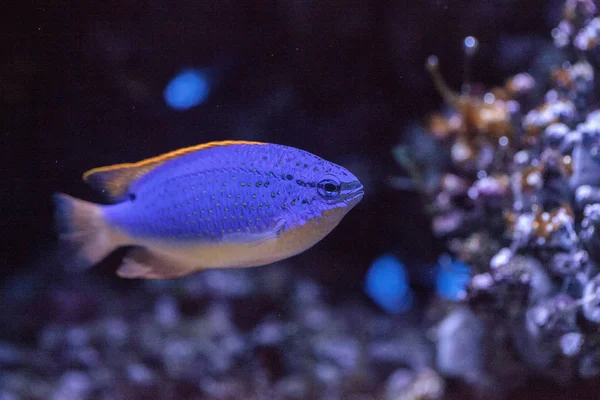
pixel 143 263
pixel 114 180
pixel 85 236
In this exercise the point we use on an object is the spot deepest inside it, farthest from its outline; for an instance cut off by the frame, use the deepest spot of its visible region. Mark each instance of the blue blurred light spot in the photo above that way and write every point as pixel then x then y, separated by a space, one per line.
pixel 470 41
pixel 387 284
pixel 452 278
pixel 186 90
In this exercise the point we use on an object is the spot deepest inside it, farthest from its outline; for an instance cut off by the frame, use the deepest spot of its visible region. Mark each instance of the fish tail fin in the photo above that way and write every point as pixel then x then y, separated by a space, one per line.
pixel 86 237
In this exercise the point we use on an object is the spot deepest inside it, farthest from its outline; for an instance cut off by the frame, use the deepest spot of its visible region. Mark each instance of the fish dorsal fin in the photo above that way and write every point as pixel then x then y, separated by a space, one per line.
pixel 114 180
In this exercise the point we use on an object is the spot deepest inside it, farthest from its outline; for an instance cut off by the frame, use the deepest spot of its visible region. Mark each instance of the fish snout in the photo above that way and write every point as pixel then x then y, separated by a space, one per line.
pixel 354 192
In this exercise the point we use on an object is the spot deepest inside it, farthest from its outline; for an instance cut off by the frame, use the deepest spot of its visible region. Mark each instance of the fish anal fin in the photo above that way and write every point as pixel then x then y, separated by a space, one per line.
pixel 114 180
pixel 146 264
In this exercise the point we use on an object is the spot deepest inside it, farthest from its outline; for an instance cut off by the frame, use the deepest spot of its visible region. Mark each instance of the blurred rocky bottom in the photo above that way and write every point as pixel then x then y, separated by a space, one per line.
pixel 260 333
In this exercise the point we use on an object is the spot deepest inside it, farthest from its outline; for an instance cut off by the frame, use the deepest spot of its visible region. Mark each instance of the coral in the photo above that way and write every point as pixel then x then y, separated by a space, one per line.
pixel 519 201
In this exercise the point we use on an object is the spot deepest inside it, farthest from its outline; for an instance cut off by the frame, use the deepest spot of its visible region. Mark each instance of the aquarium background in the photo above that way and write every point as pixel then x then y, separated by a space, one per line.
pixel 90 84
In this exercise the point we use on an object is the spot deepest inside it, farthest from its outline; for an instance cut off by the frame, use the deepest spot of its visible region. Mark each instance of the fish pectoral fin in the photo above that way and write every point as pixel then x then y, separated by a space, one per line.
pixel 256 239
pixel 143 263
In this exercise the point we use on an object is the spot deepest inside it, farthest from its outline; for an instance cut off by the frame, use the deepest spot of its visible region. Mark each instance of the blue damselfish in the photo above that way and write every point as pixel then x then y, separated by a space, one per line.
pixel 227 204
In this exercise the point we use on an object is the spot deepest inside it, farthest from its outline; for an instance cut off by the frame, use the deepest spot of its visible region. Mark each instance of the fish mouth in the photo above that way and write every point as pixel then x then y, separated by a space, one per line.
pixel 357 195
pixel 355 192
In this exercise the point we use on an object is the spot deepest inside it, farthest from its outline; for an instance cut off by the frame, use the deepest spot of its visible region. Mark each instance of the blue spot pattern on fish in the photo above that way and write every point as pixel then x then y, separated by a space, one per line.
pixel 211 194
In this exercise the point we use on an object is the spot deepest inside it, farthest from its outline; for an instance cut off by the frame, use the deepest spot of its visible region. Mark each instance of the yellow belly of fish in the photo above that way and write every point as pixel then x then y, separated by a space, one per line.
pixel 177 260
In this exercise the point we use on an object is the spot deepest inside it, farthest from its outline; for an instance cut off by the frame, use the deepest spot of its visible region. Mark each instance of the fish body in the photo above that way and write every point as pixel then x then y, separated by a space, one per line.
pixel 224 204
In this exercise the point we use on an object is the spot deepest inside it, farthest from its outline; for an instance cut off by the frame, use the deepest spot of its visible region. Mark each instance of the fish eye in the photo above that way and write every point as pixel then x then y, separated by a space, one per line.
pixel 329 187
